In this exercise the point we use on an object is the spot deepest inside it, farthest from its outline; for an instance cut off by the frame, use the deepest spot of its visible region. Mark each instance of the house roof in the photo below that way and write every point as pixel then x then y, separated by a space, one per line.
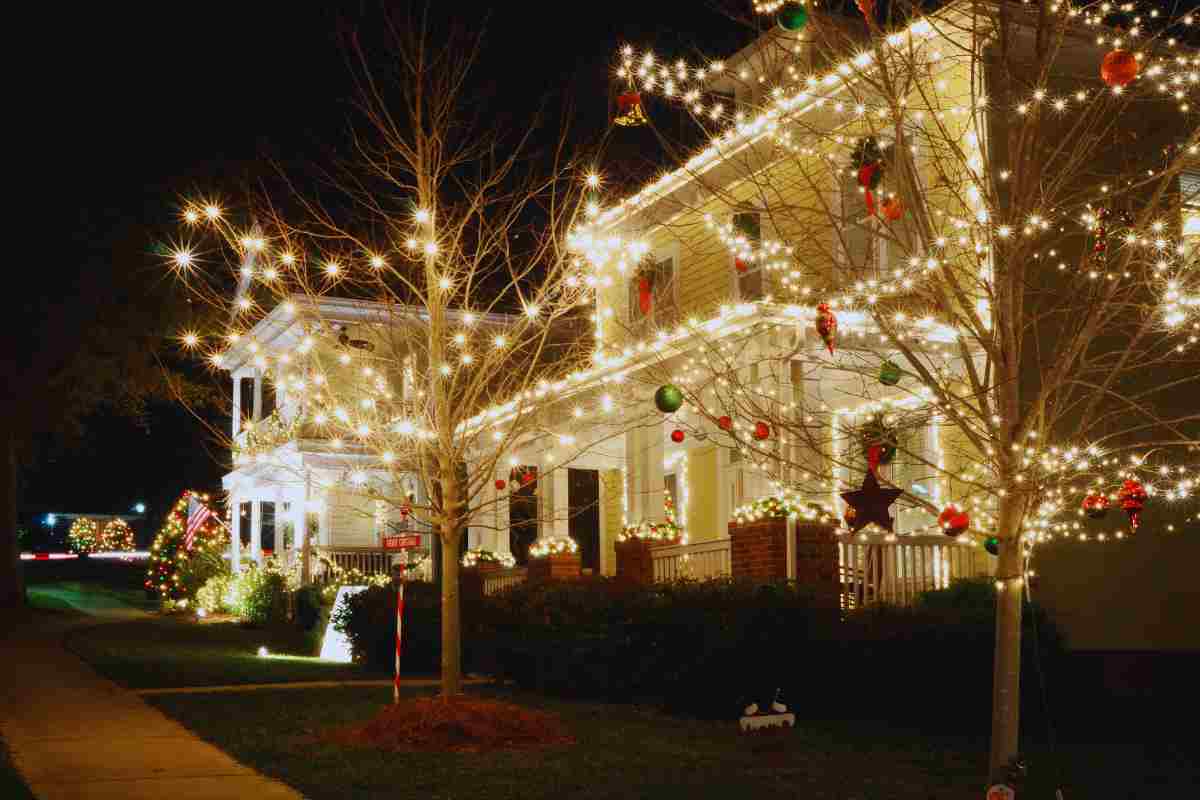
pixel 282 321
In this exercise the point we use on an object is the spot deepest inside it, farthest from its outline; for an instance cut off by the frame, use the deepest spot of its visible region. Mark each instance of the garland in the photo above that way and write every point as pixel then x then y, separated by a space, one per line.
pixel 553 547
pixel 477 556
pixel 779 507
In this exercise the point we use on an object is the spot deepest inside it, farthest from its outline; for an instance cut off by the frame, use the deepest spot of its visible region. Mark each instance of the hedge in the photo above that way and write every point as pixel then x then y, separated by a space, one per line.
pixel 707 648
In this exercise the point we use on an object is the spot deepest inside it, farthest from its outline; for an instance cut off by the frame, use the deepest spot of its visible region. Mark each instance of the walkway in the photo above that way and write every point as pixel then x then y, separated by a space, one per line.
pixel 73 734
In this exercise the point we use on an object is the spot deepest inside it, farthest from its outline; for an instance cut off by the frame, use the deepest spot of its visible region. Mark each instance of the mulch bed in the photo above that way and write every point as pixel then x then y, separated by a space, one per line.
pixel 457 724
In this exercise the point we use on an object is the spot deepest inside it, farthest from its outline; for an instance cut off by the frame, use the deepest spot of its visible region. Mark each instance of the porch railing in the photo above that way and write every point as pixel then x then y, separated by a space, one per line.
pixel 367 560
pixel 499 580
pixel 700 560
pixel 897 572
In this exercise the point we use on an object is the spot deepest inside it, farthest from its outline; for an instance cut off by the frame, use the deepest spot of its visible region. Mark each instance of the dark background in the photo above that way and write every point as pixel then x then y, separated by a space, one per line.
pixel 141 106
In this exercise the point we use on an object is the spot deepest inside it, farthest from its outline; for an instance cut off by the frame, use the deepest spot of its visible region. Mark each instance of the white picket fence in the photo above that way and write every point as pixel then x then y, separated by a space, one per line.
pixel 700 560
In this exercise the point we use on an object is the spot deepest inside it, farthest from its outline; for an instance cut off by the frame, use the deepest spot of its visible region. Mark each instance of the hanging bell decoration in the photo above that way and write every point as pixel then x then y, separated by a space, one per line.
pixel 629 110
pixel 1132 498
pixel 1096 506
pixel 889 373
pixel 645 294
pixel 826 326
pixel 953 522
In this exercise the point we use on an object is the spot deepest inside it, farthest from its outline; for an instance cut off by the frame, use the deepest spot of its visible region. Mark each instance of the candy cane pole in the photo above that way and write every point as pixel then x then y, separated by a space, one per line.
pixel 399 631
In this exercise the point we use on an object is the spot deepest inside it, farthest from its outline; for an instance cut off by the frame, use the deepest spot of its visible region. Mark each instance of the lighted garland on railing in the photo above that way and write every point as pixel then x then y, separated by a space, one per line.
pixel 477 556
pixel 780 506
pixel 555 546
pixel 661 531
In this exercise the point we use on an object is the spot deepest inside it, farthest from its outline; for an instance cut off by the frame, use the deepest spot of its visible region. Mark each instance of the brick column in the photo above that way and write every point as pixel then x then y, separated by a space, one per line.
pixel 635 560
pixel 758 552
pixel 555 567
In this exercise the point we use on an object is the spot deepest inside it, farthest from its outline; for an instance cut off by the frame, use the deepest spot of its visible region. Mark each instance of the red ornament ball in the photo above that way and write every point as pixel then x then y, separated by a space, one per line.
pixel 527 478
pixel 677 436
pixel 893 209
pixel 761 430
pixel 500 484
pixel 1119 68
pixel 741 265
pixel 953 522
pixel 725 423
pixel 1095 506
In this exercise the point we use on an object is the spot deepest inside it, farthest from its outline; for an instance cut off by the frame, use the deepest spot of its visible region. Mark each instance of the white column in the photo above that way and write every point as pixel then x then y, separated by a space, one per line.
pixel 256 531
pixel 644 463
pixel 237 403
pixel 258 382
pixel 562 509
pixel 235 535
pixel 501 542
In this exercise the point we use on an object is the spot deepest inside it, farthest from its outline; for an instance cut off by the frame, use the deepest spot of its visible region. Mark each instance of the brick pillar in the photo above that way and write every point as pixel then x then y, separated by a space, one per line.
pixel 758 552
pixel 635 560
pixel 470 580
pixel 555 567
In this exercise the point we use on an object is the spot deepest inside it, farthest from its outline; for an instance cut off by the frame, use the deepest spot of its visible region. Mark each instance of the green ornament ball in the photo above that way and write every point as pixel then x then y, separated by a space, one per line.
pixel 992 545
pixel 793 18
pixel 668 398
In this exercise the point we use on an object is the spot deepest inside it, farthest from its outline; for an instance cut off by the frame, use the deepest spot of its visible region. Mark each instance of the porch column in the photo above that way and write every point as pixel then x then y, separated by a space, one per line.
pixel 237 403
pixel 492 531
pixel 256 531
pixel 257 395
pixel 235 531
pixel 553 509
pixel 644 463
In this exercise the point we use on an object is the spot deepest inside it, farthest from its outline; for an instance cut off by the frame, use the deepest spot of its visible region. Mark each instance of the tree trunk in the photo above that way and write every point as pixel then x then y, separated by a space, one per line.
pixel 1006 671
pixel 451 614
pixel 12 586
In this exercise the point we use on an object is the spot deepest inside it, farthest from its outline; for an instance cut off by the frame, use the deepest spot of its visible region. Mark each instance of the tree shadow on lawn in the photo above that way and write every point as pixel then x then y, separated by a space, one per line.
pixel 627 751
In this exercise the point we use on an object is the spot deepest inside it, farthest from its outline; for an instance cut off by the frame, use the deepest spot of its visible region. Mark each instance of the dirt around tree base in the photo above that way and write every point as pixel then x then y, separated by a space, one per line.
pixel 459 724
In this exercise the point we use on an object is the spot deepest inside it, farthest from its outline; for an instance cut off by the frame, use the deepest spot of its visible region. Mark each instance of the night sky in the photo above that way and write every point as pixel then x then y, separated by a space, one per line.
pixel 145 105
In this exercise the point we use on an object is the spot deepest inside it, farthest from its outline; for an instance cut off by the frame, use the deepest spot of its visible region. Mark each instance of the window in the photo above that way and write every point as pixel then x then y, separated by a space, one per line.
pixel 1189 201
pixel 748 224
pixel 268 398
pixel 871 247
pixel 910 468
pixel 654 282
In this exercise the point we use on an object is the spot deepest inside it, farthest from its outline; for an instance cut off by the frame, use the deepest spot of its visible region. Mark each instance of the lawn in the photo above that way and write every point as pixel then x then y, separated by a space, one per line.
pixel 629 752
pixel 173 651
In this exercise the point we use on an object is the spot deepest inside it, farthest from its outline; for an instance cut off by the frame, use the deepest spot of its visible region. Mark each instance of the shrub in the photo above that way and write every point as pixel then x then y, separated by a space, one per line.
pixel 368 619
pixel 706 648
pixel 195 570
pixel 214 595
pixel 310 607
pixel 260 596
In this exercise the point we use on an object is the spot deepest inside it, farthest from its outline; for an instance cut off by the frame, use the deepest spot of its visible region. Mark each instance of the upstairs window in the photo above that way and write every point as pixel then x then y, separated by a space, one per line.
pixel 1189 202
pixel 652 298
pixel 748 224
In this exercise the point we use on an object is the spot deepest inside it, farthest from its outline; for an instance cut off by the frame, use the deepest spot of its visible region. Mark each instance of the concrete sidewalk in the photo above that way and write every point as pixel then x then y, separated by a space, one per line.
pixel 73 734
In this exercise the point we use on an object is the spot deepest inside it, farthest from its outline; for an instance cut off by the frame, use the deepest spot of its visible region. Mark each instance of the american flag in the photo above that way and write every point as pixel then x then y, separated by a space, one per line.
pixel 198 514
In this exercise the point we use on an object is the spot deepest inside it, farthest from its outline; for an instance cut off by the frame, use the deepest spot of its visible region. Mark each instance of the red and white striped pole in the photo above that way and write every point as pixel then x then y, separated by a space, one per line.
pixel 399 631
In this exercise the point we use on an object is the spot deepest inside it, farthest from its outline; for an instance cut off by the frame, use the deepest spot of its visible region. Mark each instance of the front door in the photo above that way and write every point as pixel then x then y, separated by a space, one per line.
pixel 583 500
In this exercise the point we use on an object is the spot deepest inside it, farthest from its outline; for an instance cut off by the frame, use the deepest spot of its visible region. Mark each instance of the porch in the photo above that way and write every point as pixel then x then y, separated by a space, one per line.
pixel 871 569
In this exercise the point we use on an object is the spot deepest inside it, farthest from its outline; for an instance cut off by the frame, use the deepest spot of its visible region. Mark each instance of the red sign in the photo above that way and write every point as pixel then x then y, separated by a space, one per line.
pixel 401 541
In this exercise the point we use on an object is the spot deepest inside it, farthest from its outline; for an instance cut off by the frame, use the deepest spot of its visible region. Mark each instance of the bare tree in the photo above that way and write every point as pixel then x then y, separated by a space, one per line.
pixel 1000 236
pixel 434 301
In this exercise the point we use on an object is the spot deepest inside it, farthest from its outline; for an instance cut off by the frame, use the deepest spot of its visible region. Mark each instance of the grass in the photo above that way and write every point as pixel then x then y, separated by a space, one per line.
pixel 628 752
pixel 174 651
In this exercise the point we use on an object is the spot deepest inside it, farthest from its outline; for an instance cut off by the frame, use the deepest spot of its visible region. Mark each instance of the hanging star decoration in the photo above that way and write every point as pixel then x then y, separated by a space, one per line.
pixel 870 504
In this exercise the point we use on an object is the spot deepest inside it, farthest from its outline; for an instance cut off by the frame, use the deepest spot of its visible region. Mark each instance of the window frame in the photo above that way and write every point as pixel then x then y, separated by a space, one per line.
pixel 655 318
